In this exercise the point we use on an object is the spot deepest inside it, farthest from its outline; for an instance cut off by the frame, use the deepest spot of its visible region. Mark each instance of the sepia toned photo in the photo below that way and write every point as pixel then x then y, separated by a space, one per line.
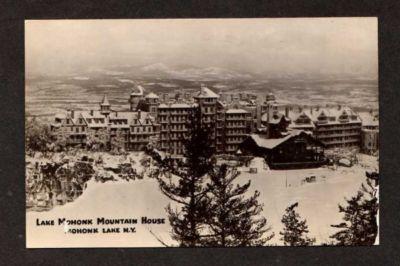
pixel 202 132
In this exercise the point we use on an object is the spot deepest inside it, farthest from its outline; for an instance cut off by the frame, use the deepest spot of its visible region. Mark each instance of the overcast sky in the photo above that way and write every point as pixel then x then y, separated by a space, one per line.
pixel 329 45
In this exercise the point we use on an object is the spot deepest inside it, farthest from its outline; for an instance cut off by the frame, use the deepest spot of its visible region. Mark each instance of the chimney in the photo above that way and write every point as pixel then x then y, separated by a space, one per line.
pixel 339 107
pixel 72 114
pixel 287 111
pixel 300 109
pixel 91 112
pixel 139 114
pixel 311 109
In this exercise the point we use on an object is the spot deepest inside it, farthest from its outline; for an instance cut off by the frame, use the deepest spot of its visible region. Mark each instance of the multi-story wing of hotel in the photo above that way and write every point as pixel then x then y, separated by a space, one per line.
pixel 231 118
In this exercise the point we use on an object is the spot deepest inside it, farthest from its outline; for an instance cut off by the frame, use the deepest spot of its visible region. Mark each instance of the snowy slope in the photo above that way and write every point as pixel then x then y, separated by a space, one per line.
pixel 318 203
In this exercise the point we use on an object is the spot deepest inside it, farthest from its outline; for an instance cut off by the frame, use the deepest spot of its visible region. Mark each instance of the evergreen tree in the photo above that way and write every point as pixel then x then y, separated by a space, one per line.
pixel 294 233
pixel 61 139
pixel 97 139
pixel 117 142
pixel 360 226
pixel 37 135
pixel 182 182
pixel 233 220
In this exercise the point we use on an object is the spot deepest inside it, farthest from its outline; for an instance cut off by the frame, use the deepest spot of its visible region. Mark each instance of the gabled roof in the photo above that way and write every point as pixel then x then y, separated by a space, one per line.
pixel 331 113
pixel 273 143
pixel 294 116
pixel 89 117
pixel 130 117
pixel 268 143
pixel 206 93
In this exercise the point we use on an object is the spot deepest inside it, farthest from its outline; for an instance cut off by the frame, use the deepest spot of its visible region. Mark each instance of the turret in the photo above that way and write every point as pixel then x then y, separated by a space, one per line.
pixel 135 97
pixel 152 102
pixel 105 106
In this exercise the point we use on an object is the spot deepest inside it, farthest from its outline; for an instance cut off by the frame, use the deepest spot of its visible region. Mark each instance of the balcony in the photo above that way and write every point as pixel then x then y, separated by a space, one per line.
pixel 324 136
pixel 336 127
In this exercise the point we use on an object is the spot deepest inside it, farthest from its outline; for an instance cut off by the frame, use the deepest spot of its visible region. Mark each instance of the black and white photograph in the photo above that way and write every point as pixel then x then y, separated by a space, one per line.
pixel 202 132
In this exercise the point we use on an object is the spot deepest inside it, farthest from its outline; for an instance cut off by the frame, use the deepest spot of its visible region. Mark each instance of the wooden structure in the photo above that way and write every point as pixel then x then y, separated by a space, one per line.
pixel 296 150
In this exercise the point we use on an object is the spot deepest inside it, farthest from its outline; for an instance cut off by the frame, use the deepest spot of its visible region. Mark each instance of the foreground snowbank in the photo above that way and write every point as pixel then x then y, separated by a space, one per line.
pixel 318 203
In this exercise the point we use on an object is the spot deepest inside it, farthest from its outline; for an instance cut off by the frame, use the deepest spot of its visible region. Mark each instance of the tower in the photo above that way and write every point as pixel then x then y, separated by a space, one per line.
pixel 135 97
pixel 207 102
pixel 105 106
pixel 152 102
pixel 269 106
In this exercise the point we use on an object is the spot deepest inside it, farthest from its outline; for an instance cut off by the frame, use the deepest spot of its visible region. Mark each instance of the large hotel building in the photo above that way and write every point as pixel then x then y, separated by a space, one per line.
pixel 163 122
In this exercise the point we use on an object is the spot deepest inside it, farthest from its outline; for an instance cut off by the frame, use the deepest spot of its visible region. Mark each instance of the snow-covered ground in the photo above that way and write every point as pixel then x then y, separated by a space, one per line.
pixel 318 203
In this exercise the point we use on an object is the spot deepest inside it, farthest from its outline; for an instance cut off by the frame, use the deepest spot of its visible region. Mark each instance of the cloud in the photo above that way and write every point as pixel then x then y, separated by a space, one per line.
pixel 251 45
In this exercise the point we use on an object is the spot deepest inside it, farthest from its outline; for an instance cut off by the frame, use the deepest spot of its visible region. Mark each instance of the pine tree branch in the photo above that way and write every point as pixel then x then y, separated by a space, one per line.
pixel 159 240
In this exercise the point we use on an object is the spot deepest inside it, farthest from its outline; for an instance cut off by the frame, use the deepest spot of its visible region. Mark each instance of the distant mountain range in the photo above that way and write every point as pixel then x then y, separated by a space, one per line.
pixel 191 73
pixel 212 73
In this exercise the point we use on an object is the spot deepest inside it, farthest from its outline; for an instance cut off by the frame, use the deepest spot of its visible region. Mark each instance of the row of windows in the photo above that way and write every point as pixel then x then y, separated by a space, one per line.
pixel 173 119
pixel 208 109
pixel 174 127
pixel 209 100
pixel 235 131
pixel 142 129
pixel 179 136
pixel 234 139
pixel 241 123
pixel 348 131
pixel 83 129
pixel 236 116
pixel 171 110
pixel 340 139
pixel 332 118
pixel 119 122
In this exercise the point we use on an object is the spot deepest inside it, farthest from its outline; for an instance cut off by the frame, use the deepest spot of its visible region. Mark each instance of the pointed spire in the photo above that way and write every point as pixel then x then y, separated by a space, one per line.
pixel 105 101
